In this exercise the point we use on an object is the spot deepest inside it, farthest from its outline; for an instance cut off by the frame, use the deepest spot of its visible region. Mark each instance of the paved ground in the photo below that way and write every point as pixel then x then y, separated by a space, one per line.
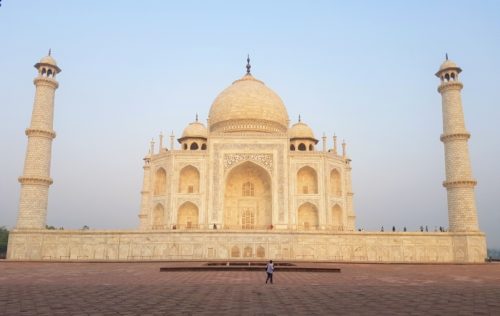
pixel 140 289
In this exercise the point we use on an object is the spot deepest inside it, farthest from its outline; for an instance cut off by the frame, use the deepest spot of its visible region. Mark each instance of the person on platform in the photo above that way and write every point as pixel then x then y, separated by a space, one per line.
pixel 269 271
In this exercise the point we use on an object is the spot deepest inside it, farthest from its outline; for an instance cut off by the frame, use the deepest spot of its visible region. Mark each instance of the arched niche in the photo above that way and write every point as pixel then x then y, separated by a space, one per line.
pixel 160 183
pixel 336 217
pixel 335 183
pixel 189 180
pixel 307 181
pixel 187 216
pixel 308 216
pixel 158 217
pixel 247 197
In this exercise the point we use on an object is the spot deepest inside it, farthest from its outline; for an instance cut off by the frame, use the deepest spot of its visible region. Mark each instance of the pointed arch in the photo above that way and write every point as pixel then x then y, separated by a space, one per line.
pixel 336 217
pixel 308 216
pixel 335 183
pixel 307 181
pixel 187 216
pixel 302 147
pixel 189 180
pixel 160 187
pixel 194 146
pixel 158 217
pixel 248 197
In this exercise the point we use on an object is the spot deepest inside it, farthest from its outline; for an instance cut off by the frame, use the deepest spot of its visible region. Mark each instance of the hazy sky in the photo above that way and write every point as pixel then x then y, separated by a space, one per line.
pixel 364 70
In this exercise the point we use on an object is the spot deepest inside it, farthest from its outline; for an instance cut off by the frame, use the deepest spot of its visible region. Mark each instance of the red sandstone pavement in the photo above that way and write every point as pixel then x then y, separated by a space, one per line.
pixel 140 289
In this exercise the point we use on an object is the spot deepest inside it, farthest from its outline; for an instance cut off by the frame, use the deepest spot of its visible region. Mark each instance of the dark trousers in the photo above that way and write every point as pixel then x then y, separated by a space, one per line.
pixel 269 277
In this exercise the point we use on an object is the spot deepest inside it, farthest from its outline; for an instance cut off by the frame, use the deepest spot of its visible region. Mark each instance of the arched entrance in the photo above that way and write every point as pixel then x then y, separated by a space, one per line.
pixel 248 198
pixel 187 217
pixel 308 216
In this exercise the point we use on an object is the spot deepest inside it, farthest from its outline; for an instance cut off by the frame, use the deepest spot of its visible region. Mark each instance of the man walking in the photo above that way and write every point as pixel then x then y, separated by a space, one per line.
pixel 270 270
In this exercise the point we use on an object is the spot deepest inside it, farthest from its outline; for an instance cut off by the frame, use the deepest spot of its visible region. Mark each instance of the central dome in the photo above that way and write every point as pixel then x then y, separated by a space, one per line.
pixel 248 105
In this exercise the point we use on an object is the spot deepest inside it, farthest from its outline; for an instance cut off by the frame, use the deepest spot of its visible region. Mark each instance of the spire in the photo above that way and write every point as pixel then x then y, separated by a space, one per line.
pixel 446 55
pixel 248 65
pixel 196 117
pixel 161 141
pixel 300 120
pixel 172 137
pixel 50 51
pixel 334 144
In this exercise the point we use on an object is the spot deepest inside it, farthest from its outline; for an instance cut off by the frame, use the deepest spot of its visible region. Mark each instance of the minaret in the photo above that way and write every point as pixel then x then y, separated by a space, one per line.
pixel 143 215
pixel 36 180
pixel 459 184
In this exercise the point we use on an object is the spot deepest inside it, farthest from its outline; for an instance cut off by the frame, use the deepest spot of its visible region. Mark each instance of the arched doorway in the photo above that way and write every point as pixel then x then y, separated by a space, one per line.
pixel 248 198
pixel 158 217
pixel 189 180
pixel 187 217
pixel 307 181
pixel 308 216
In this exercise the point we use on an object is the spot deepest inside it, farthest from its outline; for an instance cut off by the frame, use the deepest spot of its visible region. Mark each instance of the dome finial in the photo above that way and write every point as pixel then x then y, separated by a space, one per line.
pixel 248 65
pixel 446 56
pixel 50 51
pixel 196 117
pixel 300 120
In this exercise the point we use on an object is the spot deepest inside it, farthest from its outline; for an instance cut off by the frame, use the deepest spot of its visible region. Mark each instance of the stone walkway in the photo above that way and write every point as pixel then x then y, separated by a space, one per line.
pixel 140 289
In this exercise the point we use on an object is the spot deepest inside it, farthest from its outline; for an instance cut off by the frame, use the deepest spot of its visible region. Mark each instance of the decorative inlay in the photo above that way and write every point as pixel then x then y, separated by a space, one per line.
pixel 264 160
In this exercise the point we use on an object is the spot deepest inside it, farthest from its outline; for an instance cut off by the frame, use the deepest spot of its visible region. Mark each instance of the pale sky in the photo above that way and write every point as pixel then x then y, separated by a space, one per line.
pixel 361 69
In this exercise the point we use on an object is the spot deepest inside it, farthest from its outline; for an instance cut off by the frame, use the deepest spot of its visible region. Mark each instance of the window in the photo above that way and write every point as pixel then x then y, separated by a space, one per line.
pixel 248 189
pixel 247 219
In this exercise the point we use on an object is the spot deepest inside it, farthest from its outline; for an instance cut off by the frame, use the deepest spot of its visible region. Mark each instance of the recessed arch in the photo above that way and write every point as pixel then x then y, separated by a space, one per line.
pixel 307 181
pixel 336 217
pixel 160 182
pixel 308 216
pixel 302 147
pixel 311 147
pixel 194 146
pixel 49 73
pixel 185 146
pixel 245 208
pixel 187 216
pixel 235 252
pixel 189 180
pixel 158 217
pixel 335 183
pixel 292 147
pixel 203 146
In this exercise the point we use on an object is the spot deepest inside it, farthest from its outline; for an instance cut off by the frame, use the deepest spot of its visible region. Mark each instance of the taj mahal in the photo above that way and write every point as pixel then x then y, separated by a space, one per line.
pixel 248 185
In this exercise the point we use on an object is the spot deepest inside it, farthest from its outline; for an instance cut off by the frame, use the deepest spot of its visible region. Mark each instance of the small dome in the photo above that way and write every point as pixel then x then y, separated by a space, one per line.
pixel 448 64
pixel 195 130
pixel 301 131
pixel 248 105
pixel 48 60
